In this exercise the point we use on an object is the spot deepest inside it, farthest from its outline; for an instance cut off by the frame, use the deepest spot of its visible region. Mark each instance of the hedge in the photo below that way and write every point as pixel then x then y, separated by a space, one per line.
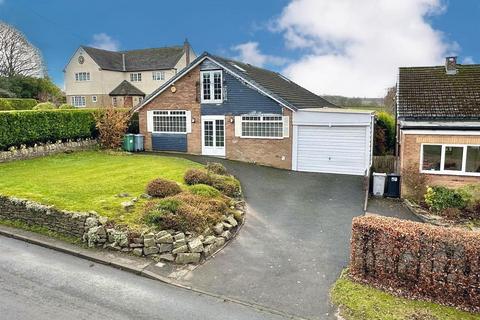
pixel 417 260
pixel 30 127
pixel 17 104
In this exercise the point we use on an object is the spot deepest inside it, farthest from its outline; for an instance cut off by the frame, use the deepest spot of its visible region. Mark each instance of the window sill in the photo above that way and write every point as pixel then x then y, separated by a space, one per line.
pixel 452 173
pixel 155 132
pixel 212 102
pixel 263 138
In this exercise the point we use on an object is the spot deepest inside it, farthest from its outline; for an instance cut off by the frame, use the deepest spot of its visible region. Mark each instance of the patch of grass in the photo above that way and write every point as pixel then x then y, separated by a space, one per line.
pixel 90 180
pixel 362 302
pixel 204 191
pixel 40 230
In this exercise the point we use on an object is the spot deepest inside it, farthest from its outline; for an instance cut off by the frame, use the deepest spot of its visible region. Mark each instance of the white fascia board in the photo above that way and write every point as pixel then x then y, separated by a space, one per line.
pixel 443 132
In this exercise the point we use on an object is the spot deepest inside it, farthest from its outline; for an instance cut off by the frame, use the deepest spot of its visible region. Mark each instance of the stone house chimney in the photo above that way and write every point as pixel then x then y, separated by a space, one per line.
pixel 186 49
pixel 451 65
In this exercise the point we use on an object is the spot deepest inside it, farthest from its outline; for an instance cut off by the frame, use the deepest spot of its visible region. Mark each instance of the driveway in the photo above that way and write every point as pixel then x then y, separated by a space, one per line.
pixel 294 244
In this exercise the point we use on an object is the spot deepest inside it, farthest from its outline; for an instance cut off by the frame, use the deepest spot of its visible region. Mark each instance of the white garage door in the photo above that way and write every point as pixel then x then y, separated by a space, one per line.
pixel 332 149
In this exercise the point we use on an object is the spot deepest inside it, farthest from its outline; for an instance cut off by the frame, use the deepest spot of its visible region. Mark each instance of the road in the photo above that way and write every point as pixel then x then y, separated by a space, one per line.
pixel 39 283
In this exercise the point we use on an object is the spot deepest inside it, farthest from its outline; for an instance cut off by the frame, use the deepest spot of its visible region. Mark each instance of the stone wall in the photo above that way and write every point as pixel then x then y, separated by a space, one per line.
pixel 167 245
pixel 41 150
pixel 64 222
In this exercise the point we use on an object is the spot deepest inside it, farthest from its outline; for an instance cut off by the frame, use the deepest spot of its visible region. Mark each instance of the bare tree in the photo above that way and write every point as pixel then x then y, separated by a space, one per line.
pixel 390 99
pixel 17 55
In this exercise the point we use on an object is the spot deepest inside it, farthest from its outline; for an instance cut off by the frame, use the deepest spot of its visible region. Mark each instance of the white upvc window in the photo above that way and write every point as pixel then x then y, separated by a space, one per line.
pixel 452 159
pixel 94 99
pixel 79 101
pixel 211 86
pixel 263 126
pixel 169 121
pixel 82 76
pixel 136 77
pixel 158 75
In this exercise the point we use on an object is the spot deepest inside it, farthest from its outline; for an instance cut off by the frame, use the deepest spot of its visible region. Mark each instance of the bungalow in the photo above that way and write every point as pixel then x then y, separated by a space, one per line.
pixel 438 122
pixel 225 108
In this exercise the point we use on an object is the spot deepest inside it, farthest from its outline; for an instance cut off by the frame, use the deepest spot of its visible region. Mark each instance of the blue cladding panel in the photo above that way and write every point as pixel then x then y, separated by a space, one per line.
pixel 240 98
pixel 169 142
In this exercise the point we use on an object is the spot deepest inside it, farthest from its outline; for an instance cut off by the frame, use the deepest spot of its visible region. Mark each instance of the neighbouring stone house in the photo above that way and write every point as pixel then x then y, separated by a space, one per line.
pixel 438 122
pixel 98 78
pixel 225 108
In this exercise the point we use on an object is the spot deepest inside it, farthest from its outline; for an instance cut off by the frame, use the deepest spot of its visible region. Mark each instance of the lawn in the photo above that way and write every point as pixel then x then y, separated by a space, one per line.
pixel 362 302
pixel 90 180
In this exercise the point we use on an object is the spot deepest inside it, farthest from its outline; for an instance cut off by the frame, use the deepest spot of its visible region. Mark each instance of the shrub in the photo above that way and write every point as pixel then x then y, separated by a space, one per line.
pixel 439 198
pixel 44 106
pixel 30 127
pixel 185 212
pixel 417 259
pixel 217 168
pixel 204 191
pixel 5 105
pixel 18 104
pixel 133 124
pixel 414 183
pixel 451 213
pixel 112 124
pixel 6 94
pixel 162 188
pixel 65 106
pixel 196 176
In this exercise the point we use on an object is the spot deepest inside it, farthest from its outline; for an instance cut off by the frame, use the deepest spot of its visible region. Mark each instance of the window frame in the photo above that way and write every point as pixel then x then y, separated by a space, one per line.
pixel 442 171
pixel 262 120
pixel 94 99
pixel 212 86
pixel 138 77
pixel 155 75
pixel 79 79
pixel 168 113
pixel 82 99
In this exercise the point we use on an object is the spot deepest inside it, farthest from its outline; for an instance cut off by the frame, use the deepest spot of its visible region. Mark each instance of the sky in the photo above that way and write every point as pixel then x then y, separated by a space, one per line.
pixel 341 47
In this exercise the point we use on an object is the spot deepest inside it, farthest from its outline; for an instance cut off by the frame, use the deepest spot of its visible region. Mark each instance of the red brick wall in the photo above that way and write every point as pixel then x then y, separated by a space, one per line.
pixel 271 152
pixel 410 153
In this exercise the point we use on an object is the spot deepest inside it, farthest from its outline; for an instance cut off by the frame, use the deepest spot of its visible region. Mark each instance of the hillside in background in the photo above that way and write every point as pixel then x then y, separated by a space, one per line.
pixel 376 104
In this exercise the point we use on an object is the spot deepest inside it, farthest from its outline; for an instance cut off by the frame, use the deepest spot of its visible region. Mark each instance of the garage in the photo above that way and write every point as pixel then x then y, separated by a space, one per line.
pixel 332 141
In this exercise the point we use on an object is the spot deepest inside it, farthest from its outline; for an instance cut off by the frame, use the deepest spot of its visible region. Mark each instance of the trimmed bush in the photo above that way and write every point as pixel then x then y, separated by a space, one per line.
pixel 44 106
pixel 204 191
pixel 417 260
pixel 185 212
pixel 65 106
pixel 228 185
pixel 161 188
pixel 17 104
pixel 217 168
pixel 196 176
pixel 439 198
pixel 30 127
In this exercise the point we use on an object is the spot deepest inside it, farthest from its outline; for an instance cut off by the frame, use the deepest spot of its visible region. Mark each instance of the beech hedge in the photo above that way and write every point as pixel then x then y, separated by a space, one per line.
pixel 417 260
pixel 30 127
pixel 7 104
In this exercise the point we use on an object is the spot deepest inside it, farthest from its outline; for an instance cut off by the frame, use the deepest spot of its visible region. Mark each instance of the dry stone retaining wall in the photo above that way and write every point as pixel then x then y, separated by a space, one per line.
pixel 40 150
pixel 168 245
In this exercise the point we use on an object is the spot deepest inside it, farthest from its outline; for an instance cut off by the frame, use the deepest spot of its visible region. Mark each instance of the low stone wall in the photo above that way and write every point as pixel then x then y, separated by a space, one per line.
pixel 40 150
pixel 34 214
pixel 417 260
pixel 167 245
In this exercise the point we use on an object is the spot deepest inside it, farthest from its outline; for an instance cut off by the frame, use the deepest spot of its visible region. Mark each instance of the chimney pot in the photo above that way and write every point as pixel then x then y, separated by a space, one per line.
pixel 451 65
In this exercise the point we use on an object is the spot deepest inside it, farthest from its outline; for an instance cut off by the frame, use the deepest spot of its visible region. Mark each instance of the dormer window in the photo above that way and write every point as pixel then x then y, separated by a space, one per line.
pixel 211 82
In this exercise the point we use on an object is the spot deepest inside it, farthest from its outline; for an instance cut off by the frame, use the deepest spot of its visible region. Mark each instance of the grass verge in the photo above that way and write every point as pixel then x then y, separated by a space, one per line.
pixel 362 302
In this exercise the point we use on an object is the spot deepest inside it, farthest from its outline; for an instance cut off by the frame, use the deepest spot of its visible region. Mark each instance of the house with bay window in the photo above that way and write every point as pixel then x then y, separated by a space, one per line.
pixel 224 108
pixel 99 78
pixel 438 122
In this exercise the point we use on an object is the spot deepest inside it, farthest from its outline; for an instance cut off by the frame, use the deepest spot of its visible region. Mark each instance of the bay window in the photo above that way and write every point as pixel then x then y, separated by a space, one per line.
pixel 450 159
pixel 211 86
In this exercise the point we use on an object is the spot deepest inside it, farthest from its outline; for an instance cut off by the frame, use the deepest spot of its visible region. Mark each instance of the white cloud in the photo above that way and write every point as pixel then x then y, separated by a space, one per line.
pixel 354 48
pixel 468 60
pixel 249 52
pixel 104 41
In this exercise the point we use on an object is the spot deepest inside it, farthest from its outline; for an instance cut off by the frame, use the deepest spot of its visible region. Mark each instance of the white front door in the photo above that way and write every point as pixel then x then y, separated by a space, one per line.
pixel 213 136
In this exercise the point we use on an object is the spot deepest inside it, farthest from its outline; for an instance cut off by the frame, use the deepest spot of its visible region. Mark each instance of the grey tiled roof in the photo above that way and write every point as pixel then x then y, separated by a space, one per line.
pixel 428 93
pixel 125 88
pixel 136 60
pixel 277 84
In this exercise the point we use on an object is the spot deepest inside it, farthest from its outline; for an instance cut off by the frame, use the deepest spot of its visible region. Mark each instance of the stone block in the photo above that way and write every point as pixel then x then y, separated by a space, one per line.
pixel 184 258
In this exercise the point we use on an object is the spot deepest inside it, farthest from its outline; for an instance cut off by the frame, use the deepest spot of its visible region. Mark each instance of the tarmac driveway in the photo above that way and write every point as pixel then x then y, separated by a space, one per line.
pixel 294 243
